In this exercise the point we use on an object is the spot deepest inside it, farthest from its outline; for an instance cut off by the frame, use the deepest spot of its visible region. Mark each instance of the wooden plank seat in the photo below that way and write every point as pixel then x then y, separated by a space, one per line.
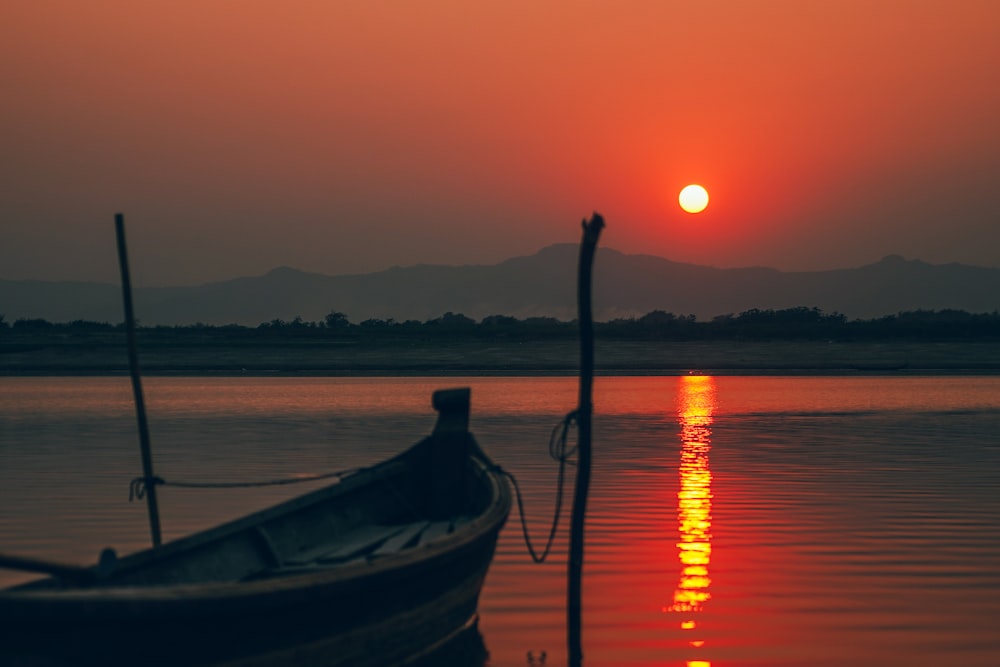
pixel 353 544
pixel 438 529
pixel 363 544
pixel 401 540
pixel 434 531
pixel 375 541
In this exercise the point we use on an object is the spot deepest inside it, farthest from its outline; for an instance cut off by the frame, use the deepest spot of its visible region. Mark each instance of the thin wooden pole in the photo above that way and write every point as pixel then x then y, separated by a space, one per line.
pixel 133 364
pixel 591 233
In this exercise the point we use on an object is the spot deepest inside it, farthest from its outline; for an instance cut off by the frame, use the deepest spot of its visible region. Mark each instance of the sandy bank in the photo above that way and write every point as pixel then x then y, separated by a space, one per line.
pixel 477 357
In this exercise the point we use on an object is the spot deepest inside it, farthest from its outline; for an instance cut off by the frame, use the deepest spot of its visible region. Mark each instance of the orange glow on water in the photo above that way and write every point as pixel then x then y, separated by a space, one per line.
pixel 696 404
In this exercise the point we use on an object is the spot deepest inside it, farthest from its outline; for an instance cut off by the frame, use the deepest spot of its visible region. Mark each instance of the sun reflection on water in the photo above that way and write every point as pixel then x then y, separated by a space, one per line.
pixel 696 403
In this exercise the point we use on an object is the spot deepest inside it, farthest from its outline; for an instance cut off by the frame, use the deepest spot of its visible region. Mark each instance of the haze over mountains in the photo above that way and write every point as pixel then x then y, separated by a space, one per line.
pixel 543 284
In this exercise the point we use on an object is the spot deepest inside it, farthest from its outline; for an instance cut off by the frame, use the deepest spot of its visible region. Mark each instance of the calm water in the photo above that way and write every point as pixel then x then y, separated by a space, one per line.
pixel 734 521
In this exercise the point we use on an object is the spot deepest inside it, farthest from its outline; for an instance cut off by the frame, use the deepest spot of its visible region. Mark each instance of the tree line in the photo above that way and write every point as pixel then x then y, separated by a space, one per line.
pixel 754 324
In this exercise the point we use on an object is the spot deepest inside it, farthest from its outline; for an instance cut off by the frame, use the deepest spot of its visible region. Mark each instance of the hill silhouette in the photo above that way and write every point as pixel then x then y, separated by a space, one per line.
pixel 540 285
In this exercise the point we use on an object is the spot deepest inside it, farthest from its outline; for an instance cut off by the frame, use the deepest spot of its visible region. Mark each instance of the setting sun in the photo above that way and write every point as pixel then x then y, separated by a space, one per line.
pixel 693 198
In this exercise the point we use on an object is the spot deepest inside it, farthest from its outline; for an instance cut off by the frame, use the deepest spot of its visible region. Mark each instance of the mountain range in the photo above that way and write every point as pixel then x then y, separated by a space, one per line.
pixel 540 285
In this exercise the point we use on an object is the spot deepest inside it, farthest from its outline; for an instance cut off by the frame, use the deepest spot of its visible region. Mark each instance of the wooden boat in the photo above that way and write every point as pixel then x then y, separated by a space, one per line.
pixel 380 568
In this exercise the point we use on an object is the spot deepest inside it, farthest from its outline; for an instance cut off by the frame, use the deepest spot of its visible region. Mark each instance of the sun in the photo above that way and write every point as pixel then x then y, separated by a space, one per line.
pixel 693 198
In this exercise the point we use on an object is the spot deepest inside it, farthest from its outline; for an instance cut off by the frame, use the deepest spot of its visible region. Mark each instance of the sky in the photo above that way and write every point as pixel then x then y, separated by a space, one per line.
pixel 348 137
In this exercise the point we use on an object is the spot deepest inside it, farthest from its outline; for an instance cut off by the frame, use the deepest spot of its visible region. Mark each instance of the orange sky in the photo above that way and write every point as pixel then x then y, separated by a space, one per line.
pixel 343 137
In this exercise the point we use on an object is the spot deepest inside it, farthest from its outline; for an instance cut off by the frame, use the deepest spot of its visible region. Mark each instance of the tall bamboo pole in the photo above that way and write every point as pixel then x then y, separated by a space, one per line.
pixel 133 364
pixel 591 233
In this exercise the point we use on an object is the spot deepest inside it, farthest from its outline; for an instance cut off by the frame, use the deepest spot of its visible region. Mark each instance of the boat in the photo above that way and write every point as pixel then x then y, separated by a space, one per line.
pixel 380 568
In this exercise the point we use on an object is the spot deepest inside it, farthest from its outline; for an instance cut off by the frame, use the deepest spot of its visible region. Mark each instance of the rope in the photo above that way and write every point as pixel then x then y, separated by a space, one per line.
pixel 138 487
pixel 558 451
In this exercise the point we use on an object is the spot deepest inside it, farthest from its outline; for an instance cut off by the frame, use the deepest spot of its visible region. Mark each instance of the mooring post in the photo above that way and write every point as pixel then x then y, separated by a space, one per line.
pixel 591 234
pixel 133 364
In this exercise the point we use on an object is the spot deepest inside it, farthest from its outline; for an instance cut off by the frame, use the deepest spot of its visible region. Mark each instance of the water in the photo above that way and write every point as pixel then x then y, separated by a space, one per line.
pixel 733 521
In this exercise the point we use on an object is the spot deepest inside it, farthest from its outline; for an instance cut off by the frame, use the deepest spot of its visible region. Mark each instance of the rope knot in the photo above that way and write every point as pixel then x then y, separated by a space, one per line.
pixel 137 487
pixel 558 449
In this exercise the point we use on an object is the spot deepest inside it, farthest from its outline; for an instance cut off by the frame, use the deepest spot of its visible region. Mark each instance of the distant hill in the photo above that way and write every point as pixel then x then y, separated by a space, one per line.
pixel 543 284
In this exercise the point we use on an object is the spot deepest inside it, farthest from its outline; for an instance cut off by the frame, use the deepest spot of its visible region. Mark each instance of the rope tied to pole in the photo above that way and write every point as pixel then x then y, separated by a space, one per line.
pixel 560 452
pixel 139 486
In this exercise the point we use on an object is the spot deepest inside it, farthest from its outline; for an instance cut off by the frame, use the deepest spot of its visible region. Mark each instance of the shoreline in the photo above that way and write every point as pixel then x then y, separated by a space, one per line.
pixel 512 358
